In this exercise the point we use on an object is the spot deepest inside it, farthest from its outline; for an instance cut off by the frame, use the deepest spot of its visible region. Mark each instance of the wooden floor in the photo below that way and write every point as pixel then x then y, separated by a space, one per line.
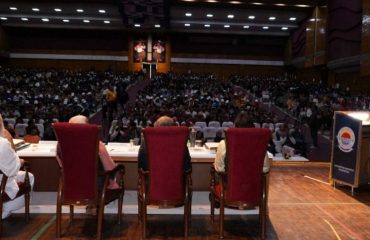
pixel 301 206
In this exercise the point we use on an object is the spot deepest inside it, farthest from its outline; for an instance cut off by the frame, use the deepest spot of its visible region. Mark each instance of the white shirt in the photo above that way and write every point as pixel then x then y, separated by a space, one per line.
pixel 9 165
pixel 219 163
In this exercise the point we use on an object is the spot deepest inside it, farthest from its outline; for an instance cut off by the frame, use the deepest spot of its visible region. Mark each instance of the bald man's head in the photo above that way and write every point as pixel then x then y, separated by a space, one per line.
pixel 78 119
pixel 164 121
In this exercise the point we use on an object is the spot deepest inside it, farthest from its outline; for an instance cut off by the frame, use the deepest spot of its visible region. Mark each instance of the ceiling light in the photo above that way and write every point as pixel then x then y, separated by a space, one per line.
pixel 187 24
pixel 246 27
pixel 207 25
pixel 188 14
pixel 272 18
pixel 24 19
pixel 280 4
pixel 226 26
pixel 157 25
pixel 79 10
pixel 4 18
pixel 292 19
pixel 209 15
pixel 284 28
pixel 45 20
pixel 312 19
pixel 257 3
pixel 86 21
pixel 65 20
pixel 235 2
pixel 302 5
pixel 101 11
pixel 106 22
pixel 265 28
pixel 36 9
pixel 212 1
pixel 189 0
pixel 230 16
pixel 13 8
pixel 57 9
pixel 137 25
pixel 251 17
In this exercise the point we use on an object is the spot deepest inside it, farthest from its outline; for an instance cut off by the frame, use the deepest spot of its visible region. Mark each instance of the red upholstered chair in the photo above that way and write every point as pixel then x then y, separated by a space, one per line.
pixel 24 189
pixel 243 184
pixel 78 183
pixel 166 183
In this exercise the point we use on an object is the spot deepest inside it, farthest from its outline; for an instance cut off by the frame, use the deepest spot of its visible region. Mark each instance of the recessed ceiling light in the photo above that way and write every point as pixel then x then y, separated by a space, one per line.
pixel 235 2
pixel 45 20
pixel 246 27
pixel 212 1
pixel 106 22
pixel 4 18
pixel 13 8
pixel 24 19
pixel 280 4
pixel 265 28
pixel 209 15
pixel 272 18
pixel 257 3
pixel 65 20
pixel 137 25
pixel 230 16
pixel 226 26
pixel 292 19
pixel 251 17
pixel 188 14
pixel 79 10
pixel 207 25
pixel 312 19
pixel 102 11
pixel 157 25
pixel 284 28
pixel 187 24
pixel 86 21
pixel 302 5
pixel 57 9
pixel 189 0
pixel 36 9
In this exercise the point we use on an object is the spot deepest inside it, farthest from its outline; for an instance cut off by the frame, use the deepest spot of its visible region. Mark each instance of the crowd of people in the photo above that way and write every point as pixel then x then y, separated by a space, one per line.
pixel 52 95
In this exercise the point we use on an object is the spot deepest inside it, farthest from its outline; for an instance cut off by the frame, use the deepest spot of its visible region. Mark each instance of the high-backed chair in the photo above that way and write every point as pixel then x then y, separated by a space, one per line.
pixel 243 184
pixel 165 183
pixel 77 155
pixel 20 129
pixel 24 189
pixel 214 124
pixel 200 124
pixel 209 132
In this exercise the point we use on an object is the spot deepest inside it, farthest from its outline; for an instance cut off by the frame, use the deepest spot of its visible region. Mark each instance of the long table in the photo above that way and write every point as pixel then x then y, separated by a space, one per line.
pixel 43 164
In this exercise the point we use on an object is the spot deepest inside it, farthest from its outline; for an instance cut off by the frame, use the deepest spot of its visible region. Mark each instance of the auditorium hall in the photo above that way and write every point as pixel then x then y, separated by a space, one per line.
pixel 185 119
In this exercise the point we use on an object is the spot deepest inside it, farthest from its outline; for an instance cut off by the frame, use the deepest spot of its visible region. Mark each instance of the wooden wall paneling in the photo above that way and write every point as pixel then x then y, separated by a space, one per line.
pixel 365 40
pixel 311 39
pixel 320 50
pixel 4 43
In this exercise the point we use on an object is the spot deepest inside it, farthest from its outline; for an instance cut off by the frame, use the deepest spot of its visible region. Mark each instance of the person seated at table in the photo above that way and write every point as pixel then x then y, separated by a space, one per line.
pixel 10 165
pixel 242 120
pixel 105 160
pixel 163 121
pixel 32 136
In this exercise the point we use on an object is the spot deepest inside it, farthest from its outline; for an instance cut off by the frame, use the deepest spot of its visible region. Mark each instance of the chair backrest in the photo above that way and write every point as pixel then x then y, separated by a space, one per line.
pixel 209 132
pixel 78 145
pixel 200 124
pixel 227 124
pixel 245 152
pixel 214 124
pixel 20 129
pixel 41 129
pixel 166 150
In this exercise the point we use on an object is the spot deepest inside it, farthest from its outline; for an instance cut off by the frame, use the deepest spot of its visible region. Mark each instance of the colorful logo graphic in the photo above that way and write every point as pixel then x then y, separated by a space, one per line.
pixel 346 139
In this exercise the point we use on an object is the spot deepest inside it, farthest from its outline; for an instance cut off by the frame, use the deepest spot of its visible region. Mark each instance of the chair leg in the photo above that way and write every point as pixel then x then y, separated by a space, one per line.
pixel 71 212
pixel 27 206
pixel 1 219
pixel 144 219
pixel 100 222
pixel 120 202
pixel 263 221
pixel 222 216
pixel 212 207
pixel 186 218
pixel 58 221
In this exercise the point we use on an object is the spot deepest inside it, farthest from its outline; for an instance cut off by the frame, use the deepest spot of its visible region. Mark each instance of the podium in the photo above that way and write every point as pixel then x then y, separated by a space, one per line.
pixel 350 158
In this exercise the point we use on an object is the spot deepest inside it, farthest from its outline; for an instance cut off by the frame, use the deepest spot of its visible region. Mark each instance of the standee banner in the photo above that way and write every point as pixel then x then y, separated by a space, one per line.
pixel 345 148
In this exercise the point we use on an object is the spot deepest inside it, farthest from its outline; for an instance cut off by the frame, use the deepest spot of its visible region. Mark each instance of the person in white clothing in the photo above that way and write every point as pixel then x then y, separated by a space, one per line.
pixel 10 165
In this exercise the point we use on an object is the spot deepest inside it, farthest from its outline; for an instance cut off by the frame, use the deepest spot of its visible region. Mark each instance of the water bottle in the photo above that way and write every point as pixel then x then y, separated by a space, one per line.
pixel 192 137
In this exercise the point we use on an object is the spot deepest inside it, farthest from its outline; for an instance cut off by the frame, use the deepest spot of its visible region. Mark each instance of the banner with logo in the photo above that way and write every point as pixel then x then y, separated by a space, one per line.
pixel 345 148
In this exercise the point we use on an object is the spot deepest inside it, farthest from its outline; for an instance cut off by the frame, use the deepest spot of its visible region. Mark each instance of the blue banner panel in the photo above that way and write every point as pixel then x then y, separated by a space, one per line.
pixel 345 145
